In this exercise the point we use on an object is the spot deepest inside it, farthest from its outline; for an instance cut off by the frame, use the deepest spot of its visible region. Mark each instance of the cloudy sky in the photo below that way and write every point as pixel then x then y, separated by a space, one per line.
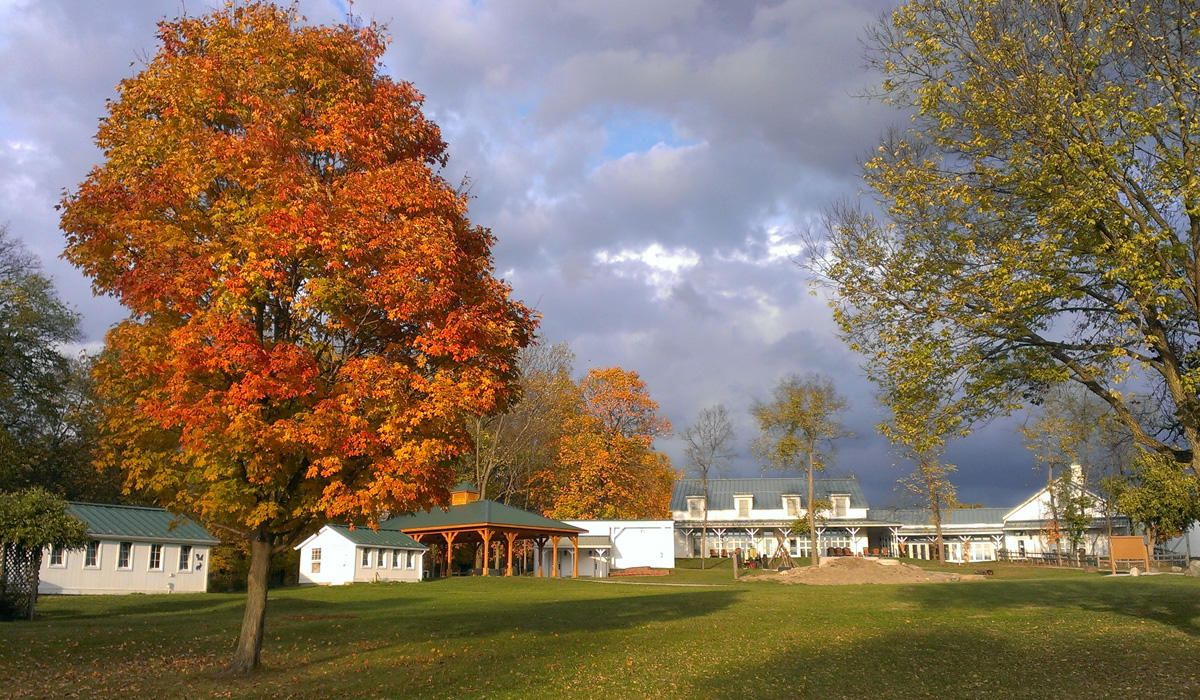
pixel 648 168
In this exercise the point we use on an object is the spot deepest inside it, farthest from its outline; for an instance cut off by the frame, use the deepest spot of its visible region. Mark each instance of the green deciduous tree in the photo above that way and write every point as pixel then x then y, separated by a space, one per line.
pixel 1157 496
pixel 47 412
pixel 1042 215
pixel 799 425
pixel 31 520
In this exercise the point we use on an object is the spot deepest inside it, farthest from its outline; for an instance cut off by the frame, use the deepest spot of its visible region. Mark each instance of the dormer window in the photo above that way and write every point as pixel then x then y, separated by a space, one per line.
pixel 695 507
pixel 743 504
pixel 840 506
pixel 791 506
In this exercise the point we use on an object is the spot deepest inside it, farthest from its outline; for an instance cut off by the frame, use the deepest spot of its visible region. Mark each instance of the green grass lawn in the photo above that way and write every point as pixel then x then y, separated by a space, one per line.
pixel 1065 635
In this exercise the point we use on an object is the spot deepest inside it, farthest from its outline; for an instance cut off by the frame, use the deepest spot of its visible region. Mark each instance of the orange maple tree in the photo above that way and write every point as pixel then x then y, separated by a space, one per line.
pixel 606 466
pixel 311 311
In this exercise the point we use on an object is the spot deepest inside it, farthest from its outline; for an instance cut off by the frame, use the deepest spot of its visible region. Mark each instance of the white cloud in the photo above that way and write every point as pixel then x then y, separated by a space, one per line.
pixel 655 265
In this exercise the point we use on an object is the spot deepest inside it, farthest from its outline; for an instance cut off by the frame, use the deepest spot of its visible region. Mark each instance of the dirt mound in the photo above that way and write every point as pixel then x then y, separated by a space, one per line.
pixel 844 571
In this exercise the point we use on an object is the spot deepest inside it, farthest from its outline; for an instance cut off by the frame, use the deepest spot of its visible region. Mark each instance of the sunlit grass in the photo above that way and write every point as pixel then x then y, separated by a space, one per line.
pixel 1075 635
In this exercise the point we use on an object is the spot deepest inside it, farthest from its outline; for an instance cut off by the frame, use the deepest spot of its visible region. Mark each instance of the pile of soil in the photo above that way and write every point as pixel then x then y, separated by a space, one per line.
pixel 844 571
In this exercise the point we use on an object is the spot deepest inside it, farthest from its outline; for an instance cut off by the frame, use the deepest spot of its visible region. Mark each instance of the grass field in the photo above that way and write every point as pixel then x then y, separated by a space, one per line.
pixel 1047 635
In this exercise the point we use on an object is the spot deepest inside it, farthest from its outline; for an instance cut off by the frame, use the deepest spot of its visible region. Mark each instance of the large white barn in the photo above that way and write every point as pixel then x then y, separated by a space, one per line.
pixel 133 549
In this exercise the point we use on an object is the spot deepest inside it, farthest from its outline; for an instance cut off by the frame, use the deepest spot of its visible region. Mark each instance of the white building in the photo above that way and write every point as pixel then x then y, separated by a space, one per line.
pixel 611 545
pixel 753 515
pixel 133 550
pixel 337 555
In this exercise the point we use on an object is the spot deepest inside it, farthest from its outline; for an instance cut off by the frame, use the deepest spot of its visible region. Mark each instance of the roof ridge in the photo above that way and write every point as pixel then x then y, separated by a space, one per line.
pixel 125 506
pixel 780 478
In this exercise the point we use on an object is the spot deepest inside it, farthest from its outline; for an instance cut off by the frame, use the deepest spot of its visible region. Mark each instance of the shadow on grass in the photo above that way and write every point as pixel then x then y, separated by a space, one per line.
pixel 1175 603
pixel 960 662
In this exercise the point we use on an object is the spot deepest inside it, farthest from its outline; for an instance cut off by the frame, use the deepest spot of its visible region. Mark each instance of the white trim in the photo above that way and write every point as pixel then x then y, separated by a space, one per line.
pixel 99 548
pixel 187 566
pixel 62 557
pixel 150 559
pixel 129 563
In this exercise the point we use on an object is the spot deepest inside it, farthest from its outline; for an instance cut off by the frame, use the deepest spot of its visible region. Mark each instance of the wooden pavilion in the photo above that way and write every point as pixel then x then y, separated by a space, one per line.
pixel 473 521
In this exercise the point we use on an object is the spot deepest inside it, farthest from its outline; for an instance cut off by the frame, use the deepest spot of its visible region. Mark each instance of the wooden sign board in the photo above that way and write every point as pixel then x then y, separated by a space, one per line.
pixel 1131 548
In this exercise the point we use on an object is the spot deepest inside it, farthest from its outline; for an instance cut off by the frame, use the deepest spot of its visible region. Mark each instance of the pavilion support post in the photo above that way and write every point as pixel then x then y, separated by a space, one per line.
pixel 537 565
pixel 449 550
pixel 511 538
pixel 575 556
pixel 554 556
pixel 486 534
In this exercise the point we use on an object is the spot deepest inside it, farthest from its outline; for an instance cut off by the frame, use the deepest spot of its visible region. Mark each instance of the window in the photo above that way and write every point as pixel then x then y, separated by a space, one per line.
pixel 696 507
pixel 409 560
pixel 91 556
pixel 58 558
pixel 125 556
pixel 381 558
pixel 156 562
pixel 791 505
pixel 366 558
pixel 841 506
pixel 185 557
pixel 397 559
pixel 316 560
pixel 743 505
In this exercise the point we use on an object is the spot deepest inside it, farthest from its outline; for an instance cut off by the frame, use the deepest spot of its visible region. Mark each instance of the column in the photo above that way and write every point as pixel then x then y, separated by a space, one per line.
pixel 554 555
pixel 537 569
pixel 511 538
pixel 486 534
pixel 449 551
pixel 575 556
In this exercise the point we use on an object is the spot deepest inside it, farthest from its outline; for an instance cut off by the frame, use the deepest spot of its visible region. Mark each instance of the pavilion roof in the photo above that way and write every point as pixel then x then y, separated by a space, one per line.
pixel 481 513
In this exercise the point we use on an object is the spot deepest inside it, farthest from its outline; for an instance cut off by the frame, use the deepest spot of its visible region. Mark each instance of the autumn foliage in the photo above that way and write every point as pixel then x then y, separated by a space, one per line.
pixel 311 311
pixel 605 466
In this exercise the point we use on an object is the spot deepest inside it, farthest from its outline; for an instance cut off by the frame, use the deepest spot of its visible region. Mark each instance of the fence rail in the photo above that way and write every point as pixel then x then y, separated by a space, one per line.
pixel 1086 561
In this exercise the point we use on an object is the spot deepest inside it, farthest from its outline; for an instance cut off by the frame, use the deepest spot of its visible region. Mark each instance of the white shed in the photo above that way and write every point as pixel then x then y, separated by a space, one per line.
pixel 133 549
pixel 338 554
pixel 610 545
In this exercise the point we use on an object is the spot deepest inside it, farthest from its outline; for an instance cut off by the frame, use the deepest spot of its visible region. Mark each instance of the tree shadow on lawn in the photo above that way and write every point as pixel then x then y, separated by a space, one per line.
pixel 955 662
pixel 88 607
pixel 292 598
pixel 1175 603
pixel 545 626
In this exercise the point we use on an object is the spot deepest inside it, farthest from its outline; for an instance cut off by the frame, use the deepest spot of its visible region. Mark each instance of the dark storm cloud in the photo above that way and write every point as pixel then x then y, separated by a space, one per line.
pixel 646 167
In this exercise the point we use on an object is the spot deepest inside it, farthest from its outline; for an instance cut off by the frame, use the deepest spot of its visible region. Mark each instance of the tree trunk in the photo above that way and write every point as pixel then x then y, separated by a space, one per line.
pixel 815 559
pixel 935 507
pixel 704 525
pixel 249 648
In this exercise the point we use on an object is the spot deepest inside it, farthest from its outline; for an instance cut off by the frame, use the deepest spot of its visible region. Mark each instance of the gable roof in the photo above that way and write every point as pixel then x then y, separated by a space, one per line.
pixel 377 538
pixel 481 512
pixel 1097 499
pixel 139 523
pixel 768 492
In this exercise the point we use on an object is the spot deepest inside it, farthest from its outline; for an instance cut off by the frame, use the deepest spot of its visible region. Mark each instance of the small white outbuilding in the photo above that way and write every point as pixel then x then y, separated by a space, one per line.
pixel 607 546
pixel 338 554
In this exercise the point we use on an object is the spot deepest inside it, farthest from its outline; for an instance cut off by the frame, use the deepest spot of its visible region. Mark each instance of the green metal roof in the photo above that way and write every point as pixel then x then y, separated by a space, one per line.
pixel 482 512
pixel 139 523
pixel 767 491
pixel 957 516
pixel 377 538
